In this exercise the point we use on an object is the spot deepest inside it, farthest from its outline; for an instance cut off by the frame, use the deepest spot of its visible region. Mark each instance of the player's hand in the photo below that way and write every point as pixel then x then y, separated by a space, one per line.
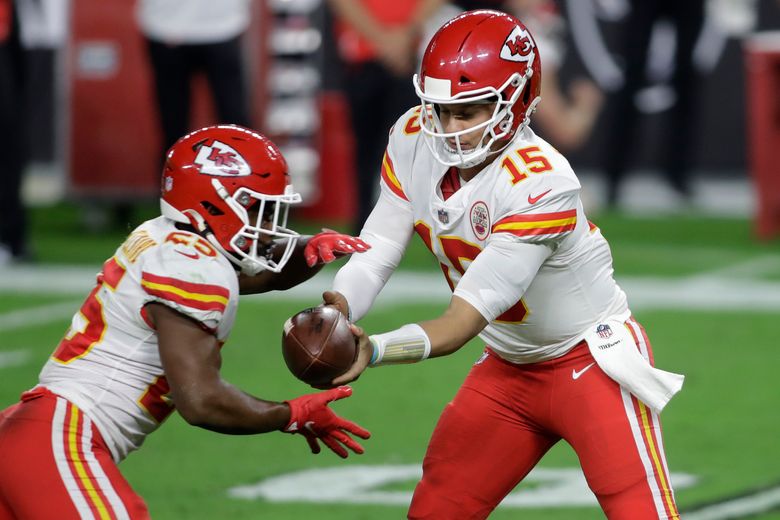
pixel 327 246
pixel 366 349
pixel 338 300
pixel 311 417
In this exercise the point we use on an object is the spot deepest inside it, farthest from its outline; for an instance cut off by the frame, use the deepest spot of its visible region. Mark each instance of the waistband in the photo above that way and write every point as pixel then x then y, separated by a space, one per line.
pixel 579 349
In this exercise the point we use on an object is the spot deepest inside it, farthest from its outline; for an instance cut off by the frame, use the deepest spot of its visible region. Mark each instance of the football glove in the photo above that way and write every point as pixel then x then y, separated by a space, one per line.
pixel 311 417
pixel 327 246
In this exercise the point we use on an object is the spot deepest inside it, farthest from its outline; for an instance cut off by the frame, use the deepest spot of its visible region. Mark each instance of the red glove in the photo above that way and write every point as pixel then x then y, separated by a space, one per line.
pixel 311 417
pixel 326 246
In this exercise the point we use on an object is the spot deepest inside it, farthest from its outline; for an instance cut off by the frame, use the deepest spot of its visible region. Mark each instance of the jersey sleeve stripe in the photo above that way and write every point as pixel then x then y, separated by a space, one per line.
pixel 538 231
pixel 176 292
pixel 539 224
pixel 537 217
pixel 199 288
pixel 196 301
pixel 388 175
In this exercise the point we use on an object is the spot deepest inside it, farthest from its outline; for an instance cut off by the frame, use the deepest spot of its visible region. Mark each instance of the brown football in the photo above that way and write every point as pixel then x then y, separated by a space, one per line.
pixel 318 345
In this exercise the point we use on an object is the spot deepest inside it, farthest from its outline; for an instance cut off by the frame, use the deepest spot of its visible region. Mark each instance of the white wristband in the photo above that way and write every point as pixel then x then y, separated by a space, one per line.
pixel 409 344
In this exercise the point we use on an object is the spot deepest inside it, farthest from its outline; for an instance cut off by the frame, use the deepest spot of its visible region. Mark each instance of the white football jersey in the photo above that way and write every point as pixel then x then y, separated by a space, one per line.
pixel 108 364
pixel 528 194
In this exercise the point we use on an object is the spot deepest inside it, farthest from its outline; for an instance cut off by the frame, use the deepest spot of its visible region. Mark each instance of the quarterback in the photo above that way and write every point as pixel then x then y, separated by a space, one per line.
pixel 147 339
pixel 500 210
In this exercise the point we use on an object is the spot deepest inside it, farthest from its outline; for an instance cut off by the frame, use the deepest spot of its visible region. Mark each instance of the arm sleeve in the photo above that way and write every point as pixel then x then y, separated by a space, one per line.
pixel 388 230
pixel 500 275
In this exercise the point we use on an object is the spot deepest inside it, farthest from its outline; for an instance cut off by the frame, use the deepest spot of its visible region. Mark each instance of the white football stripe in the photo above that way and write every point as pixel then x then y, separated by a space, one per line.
pixel 70 481
pixel 101 480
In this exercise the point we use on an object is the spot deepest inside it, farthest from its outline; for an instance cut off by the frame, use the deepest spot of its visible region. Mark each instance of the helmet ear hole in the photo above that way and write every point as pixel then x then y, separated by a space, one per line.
pixel 211 208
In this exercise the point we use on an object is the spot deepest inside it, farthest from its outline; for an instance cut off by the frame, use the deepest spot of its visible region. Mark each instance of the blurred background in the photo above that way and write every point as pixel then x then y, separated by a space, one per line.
pixel 668 111
pixel 90 131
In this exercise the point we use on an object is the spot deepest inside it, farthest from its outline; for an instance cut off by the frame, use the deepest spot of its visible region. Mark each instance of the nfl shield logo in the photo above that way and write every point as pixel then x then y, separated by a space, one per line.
pixel 604 331
pixel 444 217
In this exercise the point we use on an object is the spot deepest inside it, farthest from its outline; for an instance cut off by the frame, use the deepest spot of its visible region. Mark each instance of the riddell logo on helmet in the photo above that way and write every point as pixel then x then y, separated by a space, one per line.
pixel 221 160
pixel 518 46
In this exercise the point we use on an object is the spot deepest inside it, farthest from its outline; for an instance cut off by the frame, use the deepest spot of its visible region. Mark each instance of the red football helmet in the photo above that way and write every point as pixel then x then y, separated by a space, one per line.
pixel 215 177
pixel 481 56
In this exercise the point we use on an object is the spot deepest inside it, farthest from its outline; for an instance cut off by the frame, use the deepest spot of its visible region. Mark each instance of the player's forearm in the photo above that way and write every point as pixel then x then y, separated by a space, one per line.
pixel 365 275
pixel 295 272
pixel 226 409
pixel 438 337
pixel 453 329
pixel 360 284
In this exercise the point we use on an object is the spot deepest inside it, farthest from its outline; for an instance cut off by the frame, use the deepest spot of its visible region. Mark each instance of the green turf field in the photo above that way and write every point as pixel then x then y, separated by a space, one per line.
pixel 708 295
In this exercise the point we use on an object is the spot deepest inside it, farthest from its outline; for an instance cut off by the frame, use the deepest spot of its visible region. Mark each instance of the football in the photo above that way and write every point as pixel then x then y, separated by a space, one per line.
pixel 318 345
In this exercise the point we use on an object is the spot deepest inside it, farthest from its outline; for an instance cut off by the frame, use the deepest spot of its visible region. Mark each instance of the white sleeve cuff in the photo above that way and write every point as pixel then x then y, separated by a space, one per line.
pixel 409 344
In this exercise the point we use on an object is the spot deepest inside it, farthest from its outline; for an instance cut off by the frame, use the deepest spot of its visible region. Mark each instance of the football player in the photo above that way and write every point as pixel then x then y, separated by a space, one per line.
pixel 148 338
pixel 500 210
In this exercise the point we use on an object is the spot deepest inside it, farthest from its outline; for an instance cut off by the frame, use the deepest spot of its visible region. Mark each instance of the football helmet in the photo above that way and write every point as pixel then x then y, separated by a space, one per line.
pixel 231 184
pixel 481 56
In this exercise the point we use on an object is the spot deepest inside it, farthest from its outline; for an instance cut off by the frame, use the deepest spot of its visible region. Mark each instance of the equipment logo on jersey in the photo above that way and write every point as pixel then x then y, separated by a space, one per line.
pixel 221 160
pixel 480 220
pixel 604 331
pixel 518 46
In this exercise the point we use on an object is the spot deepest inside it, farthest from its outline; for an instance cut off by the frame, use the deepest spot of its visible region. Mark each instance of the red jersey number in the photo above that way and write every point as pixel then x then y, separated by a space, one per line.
pixel 77 344
pixel 534 161
pixel 459 251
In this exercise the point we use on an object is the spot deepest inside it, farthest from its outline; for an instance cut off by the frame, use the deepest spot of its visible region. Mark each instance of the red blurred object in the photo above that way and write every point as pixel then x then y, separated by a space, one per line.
pixel 762 52
pixel 5 19
pixel 114 135
pixel 336 179
pixel 115 146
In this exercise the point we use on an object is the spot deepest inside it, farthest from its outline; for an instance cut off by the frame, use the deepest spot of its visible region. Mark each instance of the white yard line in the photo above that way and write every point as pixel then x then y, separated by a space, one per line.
pixel 719 290
pixel 752 268
pixel 37 315
pixel 742 507
pixel 48 279
pixel 14 358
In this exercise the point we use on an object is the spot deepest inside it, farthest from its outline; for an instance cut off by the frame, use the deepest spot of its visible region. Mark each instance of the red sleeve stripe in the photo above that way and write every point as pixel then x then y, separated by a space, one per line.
pixel 195 295
pixel 388 175
pixel 538 224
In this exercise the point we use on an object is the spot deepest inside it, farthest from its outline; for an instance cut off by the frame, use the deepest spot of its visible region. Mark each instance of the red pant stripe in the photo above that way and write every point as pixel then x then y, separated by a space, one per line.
pixel 59 445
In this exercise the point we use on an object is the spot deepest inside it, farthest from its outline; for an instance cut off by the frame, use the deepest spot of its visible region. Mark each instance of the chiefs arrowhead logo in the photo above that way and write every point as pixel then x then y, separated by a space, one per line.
pixel 518 46
pixel 221 160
